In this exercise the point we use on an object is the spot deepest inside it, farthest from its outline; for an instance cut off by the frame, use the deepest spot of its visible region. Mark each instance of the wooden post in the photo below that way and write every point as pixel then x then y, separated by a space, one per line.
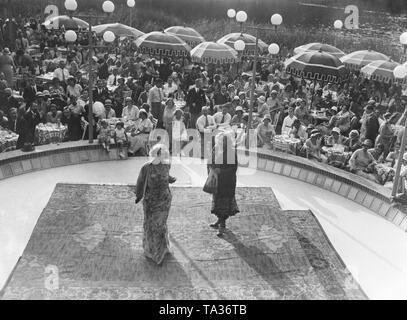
pixel 90 85
pixel 249 124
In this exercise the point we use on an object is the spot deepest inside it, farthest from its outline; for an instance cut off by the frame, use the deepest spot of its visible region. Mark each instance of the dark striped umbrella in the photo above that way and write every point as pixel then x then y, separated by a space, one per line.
pixel 316 65
pixel 162 44
pixel 320 47
pixel 212 52
pixel 189 35
pixel 67 22
pixel 359 59
pixel 248 39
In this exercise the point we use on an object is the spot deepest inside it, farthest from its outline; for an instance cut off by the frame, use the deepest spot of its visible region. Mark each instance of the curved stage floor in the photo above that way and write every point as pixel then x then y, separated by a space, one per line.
pixel 373 249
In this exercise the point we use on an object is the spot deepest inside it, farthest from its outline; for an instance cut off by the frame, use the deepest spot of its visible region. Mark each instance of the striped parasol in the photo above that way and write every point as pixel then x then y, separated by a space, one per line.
pixel 212 52
pixel 382 71
pixel 359 59
pixel 162 44
pixel 189 35
pixel 316 65
pixel 248 39
pixel 120 30
pixel 67 22
pixel 320 47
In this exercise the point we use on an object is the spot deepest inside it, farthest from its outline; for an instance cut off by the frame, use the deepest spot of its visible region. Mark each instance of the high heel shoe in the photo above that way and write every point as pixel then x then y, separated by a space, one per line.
pixel 221 231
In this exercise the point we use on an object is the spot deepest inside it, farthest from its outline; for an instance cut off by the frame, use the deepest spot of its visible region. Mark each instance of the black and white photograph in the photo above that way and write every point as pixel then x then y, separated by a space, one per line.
pixel 214 152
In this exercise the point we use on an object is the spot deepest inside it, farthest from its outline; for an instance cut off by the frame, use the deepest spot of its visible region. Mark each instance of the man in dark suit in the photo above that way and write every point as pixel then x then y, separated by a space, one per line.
pixel 100 93
pixel 195 99
pixel 30 91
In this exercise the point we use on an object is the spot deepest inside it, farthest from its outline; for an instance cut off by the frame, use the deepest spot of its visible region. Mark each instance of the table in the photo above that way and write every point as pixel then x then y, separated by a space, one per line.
pixel 286 144
pixel 50 133
pixel 8 140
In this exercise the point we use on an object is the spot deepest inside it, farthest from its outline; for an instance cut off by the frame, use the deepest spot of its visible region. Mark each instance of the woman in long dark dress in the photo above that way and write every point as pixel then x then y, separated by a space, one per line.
pixel 224 162
pixel 153 186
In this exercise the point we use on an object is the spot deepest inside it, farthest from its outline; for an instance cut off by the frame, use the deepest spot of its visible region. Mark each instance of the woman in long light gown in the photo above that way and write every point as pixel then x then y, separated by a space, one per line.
pixel 153 187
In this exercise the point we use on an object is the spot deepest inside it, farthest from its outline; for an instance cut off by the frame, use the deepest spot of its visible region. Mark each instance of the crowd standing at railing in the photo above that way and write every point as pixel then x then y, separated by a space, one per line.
pixel 356 126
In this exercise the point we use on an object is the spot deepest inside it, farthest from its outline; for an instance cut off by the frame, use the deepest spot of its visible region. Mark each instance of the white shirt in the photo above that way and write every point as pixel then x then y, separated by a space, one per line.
pixel 170 90
pixel 111 80
pixel 200 124
pixel 61 74
pixel 76 90
pixel 130 113
pixel 287 124
pixel 226 119
pixel 178 130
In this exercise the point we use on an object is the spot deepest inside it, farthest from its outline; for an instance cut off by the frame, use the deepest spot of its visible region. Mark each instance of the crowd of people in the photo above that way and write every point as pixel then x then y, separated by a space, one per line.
pixel 356 125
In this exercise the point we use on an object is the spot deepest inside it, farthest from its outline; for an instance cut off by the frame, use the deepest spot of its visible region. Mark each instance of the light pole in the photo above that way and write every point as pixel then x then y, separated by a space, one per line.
pixel 131 4
pixel 400 72
pixel 338 25
pixel 231 15
pixel 70 36
pixel 241 18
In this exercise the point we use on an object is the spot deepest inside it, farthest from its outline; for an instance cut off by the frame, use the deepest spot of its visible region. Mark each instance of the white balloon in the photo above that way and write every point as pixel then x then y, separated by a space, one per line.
pixel 276 19
pixel 109 36
pixel 274 48
pixel 403 38
pixel 241 16
pixel 108 6
pixel 131 3
pixel 338 24
pixel 71 5
pixel 231 13
pixel 239 45
pixel 400 72
pixel 71 36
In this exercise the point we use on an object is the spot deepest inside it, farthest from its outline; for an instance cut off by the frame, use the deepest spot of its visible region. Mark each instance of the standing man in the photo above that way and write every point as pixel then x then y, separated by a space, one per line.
pixel 155 98
pixel 196 99
pixel 62 73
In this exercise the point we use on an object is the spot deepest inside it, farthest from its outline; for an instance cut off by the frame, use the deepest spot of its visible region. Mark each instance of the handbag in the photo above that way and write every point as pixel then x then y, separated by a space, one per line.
pixel 211 184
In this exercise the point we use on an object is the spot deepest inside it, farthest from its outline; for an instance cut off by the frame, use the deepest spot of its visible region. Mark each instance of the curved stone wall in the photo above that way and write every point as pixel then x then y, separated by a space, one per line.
pixel 354 188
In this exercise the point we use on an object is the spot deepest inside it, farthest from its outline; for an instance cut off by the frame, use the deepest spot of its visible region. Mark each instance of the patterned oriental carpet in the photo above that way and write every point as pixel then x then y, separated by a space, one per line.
pixel 87 245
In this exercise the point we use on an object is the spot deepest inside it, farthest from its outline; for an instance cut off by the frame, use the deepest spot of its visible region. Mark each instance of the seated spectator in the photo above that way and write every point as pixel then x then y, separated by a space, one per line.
pixel 54 116
pixel 73 89
pixel 363 163
pixel 301 111
pixel 298 131
pixel 312 147
pixel 12 120
pixel 237 118
pixel 222 118
pixel 335 138
pixel 104 135
pixel 109 112
pixel 265 132
pixel 377 152
pixel 263 108
pixel 206 122
pixel 120 138
pixel 353 143
pixel 130 111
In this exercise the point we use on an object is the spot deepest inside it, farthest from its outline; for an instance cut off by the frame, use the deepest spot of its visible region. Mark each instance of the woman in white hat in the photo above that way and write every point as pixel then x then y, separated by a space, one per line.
pixel 335 138
pixel 7 66
pixel 262 107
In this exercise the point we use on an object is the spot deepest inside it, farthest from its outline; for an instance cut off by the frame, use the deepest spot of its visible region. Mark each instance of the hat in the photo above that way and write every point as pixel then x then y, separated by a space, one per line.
pixel 236 98
pixel 267 117
pixel 334 109
pixel 368 143
pixel 238 108
pixel 178 110
pixel 261 99
pixel 354 133
pixel 241 93
pixel 337 130
pixel 108 102
pixel 371 102
pixel 120 123
pixel 315 131
pixel 8 90
pixel 310 126
pixel 298 100
pixel 143 111
pixel 6 51
pixel 46 93
pixel 274 92
pixel 128 99
pixel 39 94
